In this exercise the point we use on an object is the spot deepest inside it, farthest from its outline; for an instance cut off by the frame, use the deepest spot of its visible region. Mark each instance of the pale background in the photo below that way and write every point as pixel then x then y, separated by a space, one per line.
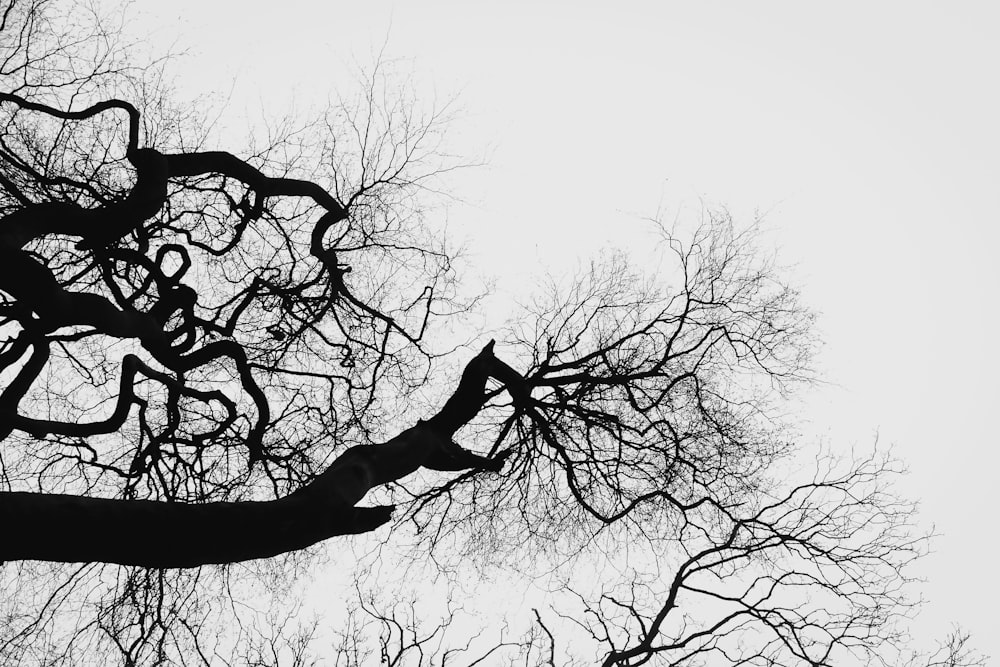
pixel 865 134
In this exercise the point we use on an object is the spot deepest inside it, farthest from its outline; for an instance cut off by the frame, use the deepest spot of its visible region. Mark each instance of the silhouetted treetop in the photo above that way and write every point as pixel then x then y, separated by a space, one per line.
pixel 210 357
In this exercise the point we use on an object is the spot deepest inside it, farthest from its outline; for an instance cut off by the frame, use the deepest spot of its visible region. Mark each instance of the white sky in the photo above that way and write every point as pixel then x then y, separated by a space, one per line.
pixel 867 133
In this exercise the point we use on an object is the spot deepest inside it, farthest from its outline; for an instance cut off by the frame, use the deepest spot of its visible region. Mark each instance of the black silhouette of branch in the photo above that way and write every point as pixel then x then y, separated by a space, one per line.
pixel 213 361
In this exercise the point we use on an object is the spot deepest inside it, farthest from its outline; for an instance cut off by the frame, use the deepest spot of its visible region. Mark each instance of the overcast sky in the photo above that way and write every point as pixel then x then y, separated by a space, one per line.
pixel 865 134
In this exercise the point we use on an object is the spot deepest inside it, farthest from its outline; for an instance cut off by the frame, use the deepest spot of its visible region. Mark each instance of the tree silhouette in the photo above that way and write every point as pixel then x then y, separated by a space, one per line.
pixel 213 357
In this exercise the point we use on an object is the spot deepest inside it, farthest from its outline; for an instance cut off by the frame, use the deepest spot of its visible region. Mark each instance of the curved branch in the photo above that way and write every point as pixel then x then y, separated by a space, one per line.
pixel 227 164
pixel 93 110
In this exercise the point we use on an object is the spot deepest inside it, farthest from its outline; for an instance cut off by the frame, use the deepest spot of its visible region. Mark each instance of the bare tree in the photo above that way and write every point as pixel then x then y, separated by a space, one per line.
pixel 211 357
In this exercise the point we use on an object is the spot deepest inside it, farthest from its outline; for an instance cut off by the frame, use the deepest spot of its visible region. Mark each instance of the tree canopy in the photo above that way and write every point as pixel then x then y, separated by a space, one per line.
pixel 212 357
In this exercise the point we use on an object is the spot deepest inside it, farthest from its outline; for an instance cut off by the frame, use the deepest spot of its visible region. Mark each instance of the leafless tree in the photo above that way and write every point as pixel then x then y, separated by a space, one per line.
pixel 210 358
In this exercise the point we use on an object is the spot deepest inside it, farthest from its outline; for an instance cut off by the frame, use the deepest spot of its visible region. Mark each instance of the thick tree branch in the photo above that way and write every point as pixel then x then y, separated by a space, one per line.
pixel 65 528
pixel 83 114
pixel 227 164
pixel 68 528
